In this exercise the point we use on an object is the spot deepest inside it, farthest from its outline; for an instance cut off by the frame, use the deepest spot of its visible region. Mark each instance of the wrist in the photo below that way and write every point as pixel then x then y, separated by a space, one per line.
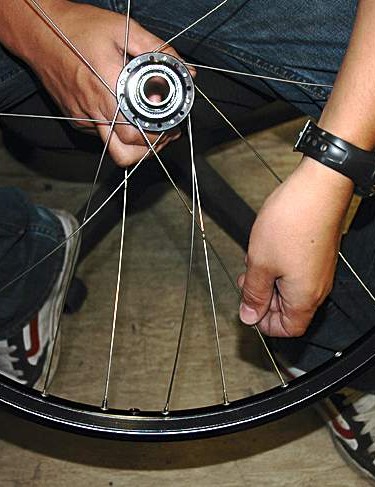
pixel 325 175
pixel 326 183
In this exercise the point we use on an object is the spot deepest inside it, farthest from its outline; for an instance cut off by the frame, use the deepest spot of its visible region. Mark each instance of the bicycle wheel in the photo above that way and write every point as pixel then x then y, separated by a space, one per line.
pixel 224 416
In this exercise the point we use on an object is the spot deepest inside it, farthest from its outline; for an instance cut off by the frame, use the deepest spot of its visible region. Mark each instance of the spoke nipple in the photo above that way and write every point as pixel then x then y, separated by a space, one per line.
pixel 105 405
pixel 338 354
pixel 134 411
pixel 284 385
pixel 165 411
pixel 44 393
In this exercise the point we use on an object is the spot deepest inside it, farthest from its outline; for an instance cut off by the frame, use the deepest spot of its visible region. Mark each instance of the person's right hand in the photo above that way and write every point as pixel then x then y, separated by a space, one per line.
pixel 99 35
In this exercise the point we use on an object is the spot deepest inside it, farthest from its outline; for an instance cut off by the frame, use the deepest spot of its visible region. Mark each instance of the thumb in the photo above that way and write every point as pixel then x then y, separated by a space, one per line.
pixel 257 289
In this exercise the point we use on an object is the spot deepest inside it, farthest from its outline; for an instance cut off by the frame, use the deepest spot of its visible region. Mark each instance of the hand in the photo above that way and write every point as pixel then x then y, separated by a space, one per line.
pixel 293 250
pixel 99 35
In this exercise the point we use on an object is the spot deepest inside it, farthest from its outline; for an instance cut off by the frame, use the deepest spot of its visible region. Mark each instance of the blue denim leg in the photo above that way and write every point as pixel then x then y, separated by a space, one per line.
pixel 299 40
pixel 27 233
pixel 293 39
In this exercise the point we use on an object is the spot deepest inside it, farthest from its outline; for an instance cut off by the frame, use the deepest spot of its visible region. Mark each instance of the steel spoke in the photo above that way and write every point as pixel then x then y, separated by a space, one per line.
pixel 36 7
pixel 208 269
pixel 104 152
pixel 187 289
pixel 71 272
pixel 61 118
pixel 166 43
pixel 201 228
pixel 118 285
pixel 242 137
pixel 126 41
pixel 259 76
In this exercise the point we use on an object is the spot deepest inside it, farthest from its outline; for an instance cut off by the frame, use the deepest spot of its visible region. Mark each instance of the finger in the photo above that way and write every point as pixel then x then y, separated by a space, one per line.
pixel 126 154
pixel 257 290
pixel 283 320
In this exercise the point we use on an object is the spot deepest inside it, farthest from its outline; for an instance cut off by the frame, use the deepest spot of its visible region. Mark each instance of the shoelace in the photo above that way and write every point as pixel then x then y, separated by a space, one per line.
pixel 7 361
pixel 364 404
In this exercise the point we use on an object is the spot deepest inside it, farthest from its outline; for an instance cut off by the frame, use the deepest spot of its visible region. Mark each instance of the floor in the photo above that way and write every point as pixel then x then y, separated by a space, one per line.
pixel 292 452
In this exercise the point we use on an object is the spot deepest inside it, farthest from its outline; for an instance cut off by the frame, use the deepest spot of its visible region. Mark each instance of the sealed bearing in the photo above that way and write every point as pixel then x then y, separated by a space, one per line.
pixel 156 91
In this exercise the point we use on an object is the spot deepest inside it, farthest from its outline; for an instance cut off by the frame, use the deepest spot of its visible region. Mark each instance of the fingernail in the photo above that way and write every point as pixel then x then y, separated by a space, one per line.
pixel 248 315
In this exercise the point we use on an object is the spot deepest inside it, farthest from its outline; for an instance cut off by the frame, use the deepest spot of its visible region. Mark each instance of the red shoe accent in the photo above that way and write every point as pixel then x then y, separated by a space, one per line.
pixel 34 338
pixel 347 434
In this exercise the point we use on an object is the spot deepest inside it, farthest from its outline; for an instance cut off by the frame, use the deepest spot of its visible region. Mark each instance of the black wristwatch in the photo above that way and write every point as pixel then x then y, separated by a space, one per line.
pixel 349 160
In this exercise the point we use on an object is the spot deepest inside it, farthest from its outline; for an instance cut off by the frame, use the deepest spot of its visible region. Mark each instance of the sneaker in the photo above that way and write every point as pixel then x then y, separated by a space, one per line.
pixel 24 357
pixel 350 417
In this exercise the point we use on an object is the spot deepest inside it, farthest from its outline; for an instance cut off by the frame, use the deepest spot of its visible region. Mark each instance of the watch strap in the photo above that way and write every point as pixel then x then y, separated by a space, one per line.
pixel 334 152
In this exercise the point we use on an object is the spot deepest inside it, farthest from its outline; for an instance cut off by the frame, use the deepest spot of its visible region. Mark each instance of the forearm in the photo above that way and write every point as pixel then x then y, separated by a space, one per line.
pixel 350 111
pixel 22 29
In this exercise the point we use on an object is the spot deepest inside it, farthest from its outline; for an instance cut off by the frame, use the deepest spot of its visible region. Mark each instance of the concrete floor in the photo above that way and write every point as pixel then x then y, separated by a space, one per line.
pixel 292 452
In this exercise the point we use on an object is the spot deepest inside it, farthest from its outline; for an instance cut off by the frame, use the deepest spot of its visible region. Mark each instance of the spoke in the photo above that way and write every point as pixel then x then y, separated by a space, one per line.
pixel 187 288
pixel 361 282
pixel 259 76
pixel 72 269
pixel 36 7
pixel 118 285
pixel 180 195
pixel 200 224
pixel 93 215
pixel 67 119
pixel 208 270
pixel 166 43
pixel 126 42
pixel 242 137
pixel 104 152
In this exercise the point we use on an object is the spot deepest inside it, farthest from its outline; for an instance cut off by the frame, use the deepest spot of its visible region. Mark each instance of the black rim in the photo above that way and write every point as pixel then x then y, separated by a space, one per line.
pixel 203 422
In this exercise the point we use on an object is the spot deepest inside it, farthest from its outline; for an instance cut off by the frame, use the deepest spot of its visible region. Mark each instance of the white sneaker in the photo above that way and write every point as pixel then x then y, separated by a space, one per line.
pixel 25 356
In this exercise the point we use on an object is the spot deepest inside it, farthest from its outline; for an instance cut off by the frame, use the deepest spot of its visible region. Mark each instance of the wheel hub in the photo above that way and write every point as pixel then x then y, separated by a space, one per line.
pixel 156 91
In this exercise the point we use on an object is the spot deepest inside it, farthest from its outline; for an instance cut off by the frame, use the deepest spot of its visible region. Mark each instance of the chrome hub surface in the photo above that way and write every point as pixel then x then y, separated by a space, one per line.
pixel 155 90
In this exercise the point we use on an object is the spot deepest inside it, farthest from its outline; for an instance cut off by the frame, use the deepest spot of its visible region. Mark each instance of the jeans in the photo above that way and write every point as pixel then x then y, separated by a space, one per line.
pixel 291 39
pixel 27 233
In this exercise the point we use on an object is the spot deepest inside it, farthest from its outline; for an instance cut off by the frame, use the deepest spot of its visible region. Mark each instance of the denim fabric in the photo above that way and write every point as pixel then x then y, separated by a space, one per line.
pixel 27 233
pixel 295 39
pixel 298 40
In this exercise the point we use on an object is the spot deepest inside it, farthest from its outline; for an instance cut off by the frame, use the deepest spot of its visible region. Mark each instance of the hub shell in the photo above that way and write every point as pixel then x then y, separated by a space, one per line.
pixel 139 106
